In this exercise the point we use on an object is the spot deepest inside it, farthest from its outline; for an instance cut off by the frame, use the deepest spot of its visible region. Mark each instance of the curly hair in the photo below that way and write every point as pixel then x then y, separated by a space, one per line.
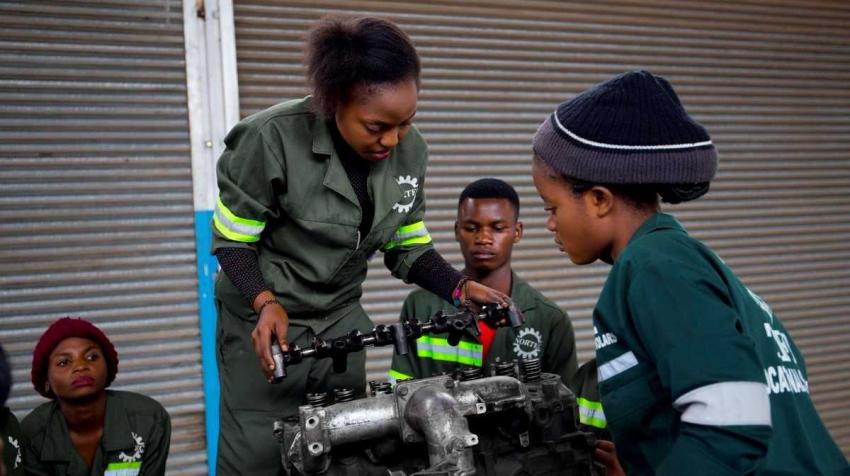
pixel 345 54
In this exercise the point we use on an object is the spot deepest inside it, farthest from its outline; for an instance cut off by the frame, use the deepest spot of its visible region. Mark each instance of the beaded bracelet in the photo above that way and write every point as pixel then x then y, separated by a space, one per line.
pixel 266 303
pixel 459 292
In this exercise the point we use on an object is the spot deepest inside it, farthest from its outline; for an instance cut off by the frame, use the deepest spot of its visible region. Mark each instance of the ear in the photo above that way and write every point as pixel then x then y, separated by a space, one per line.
pixel 517 232
pixel 600 200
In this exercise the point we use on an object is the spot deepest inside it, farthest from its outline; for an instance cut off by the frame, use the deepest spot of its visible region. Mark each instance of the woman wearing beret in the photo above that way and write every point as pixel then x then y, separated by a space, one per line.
pixel 86 429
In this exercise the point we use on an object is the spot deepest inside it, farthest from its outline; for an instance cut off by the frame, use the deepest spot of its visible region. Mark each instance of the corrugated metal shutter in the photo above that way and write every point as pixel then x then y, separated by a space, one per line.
pixel 96 215
pixel 769 79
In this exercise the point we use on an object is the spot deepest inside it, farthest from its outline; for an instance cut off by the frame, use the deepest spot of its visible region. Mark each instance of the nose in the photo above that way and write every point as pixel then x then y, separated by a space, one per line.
pixel 389 139
pixel 484 236
pixel 80 365
pixel 550 223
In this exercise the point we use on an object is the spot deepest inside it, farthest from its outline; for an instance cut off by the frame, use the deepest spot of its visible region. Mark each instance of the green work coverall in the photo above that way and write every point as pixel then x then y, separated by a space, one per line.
pixel 689 358
pixel 285 194
pixel 135 441
pixel 547 335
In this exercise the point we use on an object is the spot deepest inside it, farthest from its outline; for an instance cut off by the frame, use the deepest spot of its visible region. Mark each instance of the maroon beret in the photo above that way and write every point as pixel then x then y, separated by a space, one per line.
pixel 57 332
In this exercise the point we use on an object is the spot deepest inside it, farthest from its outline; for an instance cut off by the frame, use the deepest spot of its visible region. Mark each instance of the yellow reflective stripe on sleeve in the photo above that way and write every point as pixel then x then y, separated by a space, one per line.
pixel 413 227
pixel 231 235
pixel 239 220
pixel 436 348
pixel 409 235
pixel 590 413
pixel 236 228
pixel 396 376
pixel 123 469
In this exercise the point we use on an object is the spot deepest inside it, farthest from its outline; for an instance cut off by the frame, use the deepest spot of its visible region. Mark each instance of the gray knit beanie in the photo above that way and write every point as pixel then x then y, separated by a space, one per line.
pixel 631 129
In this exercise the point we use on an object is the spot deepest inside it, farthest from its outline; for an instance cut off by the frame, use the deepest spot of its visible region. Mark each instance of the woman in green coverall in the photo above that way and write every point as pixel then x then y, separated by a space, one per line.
pixel 696 373
pixel 310 190
pixel 85 429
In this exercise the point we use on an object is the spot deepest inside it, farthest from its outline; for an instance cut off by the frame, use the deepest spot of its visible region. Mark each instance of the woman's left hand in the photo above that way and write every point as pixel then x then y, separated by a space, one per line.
pixel 606 453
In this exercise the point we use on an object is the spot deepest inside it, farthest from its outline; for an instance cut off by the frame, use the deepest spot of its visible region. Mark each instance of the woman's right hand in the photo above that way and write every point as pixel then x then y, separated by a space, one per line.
pixel 273 323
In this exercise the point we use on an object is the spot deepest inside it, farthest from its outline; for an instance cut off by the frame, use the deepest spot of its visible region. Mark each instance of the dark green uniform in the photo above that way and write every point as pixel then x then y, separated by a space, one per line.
pixel 285 194
pixel 697 375
pixel 135 441
pixel 10 433
pixel 591 416
pixel 547 334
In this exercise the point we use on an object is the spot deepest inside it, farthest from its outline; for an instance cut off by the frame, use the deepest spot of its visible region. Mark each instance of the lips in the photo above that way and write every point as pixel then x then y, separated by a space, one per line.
pixel 379 156
pixel 560 246
pixel 82 382
pixel 483 255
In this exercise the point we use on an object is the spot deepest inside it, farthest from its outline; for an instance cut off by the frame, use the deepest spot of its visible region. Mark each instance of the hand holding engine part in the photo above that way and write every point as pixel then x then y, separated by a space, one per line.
pixel 399 335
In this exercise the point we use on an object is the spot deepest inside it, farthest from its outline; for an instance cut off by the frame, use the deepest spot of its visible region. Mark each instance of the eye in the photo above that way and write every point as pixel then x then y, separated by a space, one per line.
pixel 470 228
pixel 374 128
pixel 550 210
pixel 93 356
pixel 62 362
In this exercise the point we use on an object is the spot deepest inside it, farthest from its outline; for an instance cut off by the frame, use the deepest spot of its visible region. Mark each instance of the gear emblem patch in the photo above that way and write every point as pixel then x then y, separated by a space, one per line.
pixel 528 343
pixel 409 186
pixel 137 451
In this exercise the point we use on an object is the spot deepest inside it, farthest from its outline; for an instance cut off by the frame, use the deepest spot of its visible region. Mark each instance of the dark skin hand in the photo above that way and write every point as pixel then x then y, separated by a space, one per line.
pixel 606 454
pixel 274 321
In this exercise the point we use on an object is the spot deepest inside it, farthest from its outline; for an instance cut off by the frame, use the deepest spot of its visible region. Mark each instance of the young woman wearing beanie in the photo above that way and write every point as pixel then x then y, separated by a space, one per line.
pixel 310 190
pixel 86 429
pixel 697 375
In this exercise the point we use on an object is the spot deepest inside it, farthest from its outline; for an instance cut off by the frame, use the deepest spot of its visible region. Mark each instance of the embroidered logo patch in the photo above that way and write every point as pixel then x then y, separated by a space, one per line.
pixel 17 446
pixel 409 186
pixel 528 343
pixel 137 451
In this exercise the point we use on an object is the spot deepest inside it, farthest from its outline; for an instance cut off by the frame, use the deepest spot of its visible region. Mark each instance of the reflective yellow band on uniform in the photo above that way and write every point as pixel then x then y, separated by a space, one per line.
pixel 123 469
pixel 437 348
pixel 590 413
pixel 409 235
pixel 236 228
pixel 396 376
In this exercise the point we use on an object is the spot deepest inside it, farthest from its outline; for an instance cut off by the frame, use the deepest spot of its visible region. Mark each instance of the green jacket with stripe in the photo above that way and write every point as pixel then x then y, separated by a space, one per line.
pixel 547 334
pixel 697 374
pixel 135 441
pixel 284 193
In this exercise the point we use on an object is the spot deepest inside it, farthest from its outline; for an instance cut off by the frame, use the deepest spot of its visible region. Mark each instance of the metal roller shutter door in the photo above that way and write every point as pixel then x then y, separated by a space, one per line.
pixel 768 78
pixel 96 215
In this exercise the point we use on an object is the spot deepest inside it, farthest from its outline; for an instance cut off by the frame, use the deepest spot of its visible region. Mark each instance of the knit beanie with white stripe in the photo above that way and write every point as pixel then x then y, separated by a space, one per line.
pixel 629 130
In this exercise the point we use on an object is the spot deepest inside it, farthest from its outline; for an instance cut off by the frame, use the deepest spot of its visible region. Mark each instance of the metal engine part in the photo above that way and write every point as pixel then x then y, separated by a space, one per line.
pixel 440 426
